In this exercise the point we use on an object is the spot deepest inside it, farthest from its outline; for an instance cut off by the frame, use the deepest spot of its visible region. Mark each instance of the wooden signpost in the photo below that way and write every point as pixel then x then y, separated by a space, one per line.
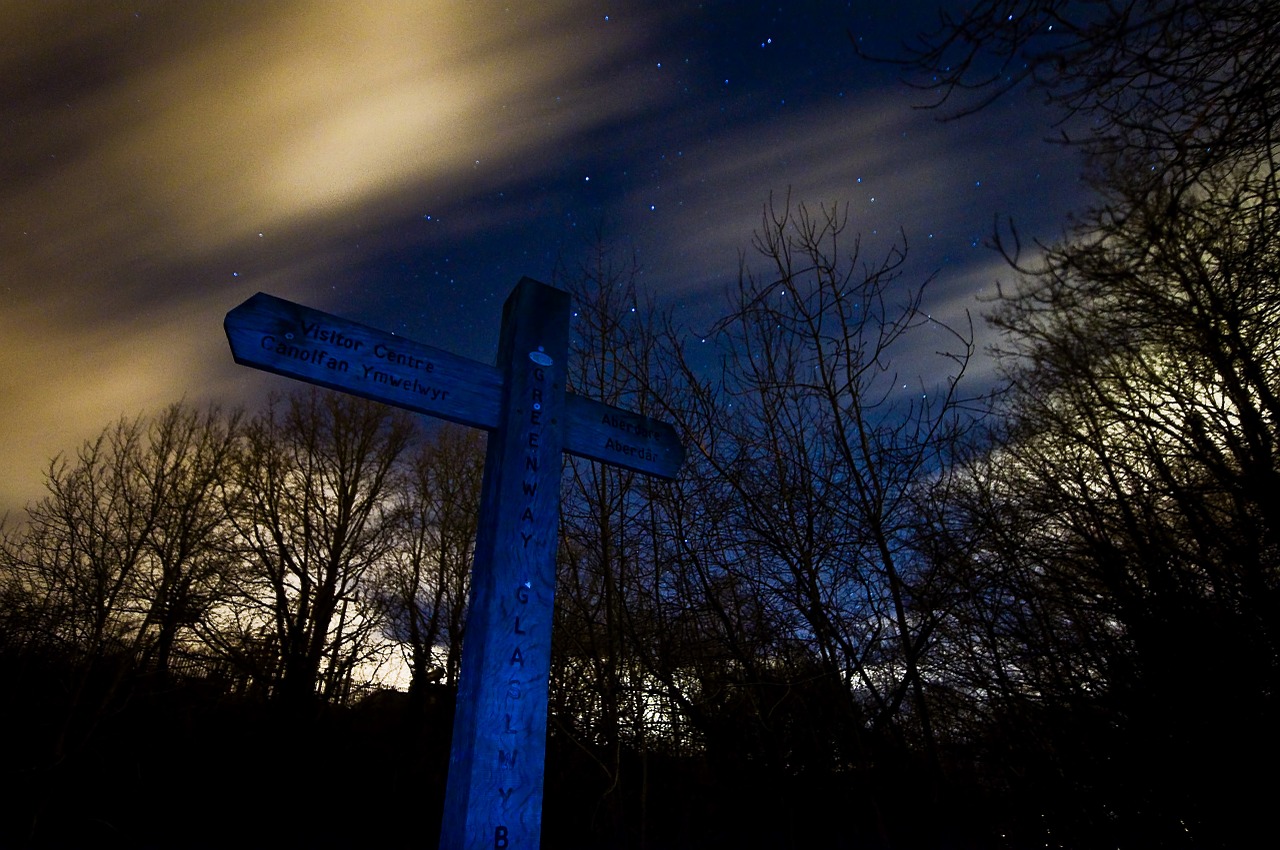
pixel 494 794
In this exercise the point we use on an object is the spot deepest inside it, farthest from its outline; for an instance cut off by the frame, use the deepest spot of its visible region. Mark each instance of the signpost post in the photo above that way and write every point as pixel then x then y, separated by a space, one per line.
pixel 494 794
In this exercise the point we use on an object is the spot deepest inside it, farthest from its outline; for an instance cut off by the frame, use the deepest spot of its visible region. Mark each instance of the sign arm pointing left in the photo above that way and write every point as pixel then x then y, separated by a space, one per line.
pixel 289 339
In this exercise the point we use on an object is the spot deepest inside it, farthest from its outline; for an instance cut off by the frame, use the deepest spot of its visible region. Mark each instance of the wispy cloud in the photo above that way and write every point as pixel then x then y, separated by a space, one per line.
pixel 146 156
pixel 160 163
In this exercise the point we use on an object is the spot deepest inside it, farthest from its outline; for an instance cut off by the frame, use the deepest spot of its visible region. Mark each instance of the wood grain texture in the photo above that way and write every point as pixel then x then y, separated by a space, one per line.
pixel 494 793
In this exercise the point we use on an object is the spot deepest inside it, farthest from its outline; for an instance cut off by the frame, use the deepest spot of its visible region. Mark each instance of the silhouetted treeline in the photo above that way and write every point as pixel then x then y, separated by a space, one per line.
pixel 873 611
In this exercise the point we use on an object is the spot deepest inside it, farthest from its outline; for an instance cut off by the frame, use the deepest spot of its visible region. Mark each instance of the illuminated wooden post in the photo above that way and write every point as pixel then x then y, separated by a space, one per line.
pixel 494 796
pixel 494 793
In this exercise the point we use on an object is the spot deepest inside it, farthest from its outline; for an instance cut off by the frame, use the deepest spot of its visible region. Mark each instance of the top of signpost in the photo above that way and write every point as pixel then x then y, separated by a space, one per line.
pixel 289 339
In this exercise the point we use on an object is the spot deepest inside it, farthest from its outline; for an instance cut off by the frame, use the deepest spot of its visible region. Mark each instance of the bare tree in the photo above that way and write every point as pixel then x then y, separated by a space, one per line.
pixel 122 555
pixel 824 449
pixel 598 694
pixel 1141 452
pixel 84 546
pixel 1159 81
pixel 1118 532
pixel 185 469
pixel 318 474
pixel 425 583
pixel 129 545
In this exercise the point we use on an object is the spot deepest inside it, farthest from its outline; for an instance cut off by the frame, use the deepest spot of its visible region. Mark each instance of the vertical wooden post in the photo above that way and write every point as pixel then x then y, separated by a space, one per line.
pixel 494 793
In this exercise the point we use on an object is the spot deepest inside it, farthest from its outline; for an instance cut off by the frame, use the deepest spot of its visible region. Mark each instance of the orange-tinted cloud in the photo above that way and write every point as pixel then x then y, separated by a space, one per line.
pixel 147 151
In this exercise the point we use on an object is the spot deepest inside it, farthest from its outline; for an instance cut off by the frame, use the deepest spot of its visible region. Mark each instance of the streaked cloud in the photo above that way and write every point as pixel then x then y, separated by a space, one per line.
pixel 894 172
pixel 149 151
pixel 160 162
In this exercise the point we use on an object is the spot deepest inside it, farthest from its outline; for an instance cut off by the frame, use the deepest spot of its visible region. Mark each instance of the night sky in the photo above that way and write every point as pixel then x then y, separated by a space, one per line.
pixel 404 164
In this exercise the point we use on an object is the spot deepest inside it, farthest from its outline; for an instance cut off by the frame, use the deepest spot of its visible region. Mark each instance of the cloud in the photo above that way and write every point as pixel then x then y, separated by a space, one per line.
pixel 160 162
pixel 144 154
pixel 894 170
pixel 898 175
pixel 319 109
